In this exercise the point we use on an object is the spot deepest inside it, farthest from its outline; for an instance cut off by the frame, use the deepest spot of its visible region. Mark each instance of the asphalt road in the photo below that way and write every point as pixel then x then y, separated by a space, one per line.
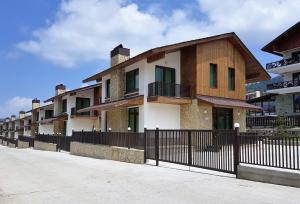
pixel 31 176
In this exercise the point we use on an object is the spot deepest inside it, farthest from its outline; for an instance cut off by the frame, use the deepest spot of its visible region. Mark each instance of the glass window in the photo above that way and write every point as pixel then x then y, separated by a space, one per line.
pixel 231 79
pixel 64 106
pixel 296 76
pixel 132 81
pixel 296 102
pixel 82 103
pixel 213 76
pixel 133 119
pixel 108 88
pixel 48 114
pixel 165 74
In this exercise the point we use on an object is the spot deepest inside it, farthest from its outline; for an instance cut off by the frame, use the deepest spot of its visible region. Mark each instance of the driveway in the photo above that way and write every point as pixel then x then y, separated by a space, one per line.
pixel 32 176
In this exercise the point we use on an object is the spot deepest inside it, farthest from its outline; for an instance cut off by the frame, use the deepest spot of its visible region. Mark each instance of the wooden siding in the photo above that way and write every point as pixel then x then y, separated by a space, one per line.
pixel 225 55
pixel 188 68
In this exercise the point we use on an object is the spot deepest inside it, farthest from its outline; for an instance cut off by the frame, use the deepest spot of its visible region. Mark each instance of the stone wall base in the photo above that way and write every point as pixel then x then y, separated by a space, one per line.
pixel 11 145
pixel 22 144
pixel 108 152
pixel 44 146
pixel 269 175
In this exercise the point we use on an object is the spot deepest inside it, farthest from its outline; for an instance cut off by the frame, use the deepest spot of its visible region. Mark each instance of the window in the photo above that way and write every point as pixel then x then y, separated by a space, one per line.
pixel 165 74
pixel 37 116
pixel 107 88
pixel 48 114
pixel 132 81
pixel 213 76
pixel 83 103
pixel 64 106
pixel 231 79
pixel 296 103
pixel 133 119
pixel 296 77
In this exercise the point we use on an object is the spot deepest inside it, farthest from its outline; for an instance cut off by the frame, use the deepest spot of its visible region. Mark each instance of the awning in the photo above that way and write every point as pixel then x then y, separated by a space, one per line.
pixel 46 121
pixel 134 101
pixel 218 101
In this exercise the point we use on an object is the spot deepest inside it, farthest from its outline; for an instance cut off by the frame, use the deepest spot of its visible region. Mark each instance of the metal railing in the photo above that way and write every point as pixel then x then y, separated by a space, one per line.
pixel 272 121
pixel 168 89
pixel 87 113
pixel 284 84
pixel 119 139
pixel 283 62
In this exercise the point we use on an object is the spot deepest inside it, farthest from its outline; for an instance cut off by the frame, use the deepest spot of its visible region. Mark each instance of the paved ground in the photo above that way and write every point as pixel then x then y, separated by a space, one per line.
pixel 31 176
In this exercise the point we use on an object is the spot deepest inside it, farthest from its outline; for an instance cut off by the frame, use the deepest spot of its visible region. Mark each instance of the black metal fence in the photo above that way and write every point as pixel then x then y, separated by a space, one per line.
pixel 28 139
pixel 120 139
pixel 272 121
pixel 62 142
pixel 273 150
pixel 207 149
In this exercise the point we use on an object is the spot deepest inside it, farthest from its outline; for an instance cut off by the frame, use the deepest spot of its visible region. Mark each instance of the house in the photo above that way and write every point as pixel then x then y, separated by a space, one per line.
pixel 32 123
pixel 2 127
pixel 198 84
pixel 287 92
pixel 27 126
pixel 6 127
pixel 66 104
pixel 12 126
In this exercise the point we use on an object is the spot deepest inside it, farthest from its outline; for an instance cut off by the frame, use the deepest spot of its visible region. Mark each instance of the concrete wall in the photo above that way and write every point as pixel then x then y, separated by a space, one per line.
pixel 44 146
pixel 46 129
pixel 269 175
pixel 239 116
pixel 284 104
pixel 23 145
pixel 106 152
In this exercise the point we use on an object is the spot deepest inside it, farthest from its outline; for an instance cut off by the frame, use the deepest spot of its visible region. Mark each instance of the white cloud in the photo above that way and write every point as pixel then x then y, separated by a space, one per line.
pixel 86 30
pixel 14 105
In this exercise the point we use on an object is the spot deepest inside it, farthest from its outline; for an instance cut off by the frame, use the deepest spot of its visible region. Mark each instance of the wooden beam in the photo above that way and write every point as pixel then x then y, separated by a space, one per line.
pixel 169 100
pixel 155 57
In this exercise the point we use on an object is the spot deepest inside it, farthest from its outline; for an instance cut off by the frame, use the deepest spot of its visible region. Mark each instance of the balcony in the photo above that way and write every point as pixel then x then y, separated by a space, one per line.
pixel 275 66
pixel 89 114
pixel 168 93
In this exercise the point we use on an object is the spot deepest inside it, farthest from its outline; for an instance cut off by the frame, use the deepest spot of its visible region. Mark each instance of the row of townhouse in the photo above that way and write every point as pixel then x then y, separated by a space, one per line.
pixel 283 96
pixel 198 84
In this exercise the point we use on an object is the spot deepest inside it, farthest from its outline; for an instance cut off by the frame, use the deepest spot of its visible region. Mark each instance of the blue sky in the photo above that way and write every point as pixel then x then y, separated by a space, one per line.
pixel 44 43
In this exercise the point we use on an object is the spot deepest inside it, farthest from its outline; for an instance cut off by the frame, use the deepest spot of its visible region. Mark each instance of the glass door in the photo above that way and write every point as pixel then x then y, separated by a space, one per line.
pixel 223 118
pixel 165 81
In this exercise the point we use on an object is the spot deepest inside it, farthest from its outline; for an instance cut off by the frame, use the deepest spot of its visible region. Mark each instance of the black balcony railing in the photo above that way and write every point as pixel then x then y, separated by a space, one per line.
pixel 168 89
pixel 284 84
pixel 283 62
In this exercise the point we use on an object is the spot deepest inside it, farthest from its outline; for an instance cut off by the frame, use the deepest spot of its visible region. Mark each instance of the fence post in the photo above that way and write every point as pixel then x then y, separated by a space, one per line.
pixel 156 146
pixel 236 147
pixel 145 154
pixel 189 148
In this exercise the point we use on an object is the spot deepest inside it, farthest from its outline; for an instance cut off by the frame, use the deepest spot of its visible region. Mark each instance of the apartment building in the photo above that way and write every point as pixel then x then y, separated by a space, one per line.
pixel 66 104
pixel 283 97
pixel 198 84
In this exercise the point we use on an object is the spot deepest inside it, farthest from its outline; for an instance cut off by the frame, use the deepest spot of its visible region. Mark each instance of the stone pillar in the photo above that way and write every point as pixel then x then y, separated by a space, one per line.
pixel 117 85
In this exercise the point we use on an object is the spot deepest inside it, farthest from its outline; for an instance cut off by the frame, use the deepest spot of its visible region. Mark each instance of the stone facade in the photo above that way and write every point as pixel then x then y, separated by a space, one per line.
pixel 23 145
pixel 199 116
pixel 106 152
pixel 284 104
pixel 239 116
pixel 118 59
pixel 11 145
pixel 117 120
pixel 117 85
pixel 196 116
pixel 45 146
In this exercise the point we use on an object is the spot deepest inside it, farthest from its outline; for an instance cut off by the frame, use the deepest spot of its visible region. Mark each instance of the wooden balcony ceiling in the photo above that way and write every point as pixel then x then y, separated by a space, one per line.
pixel 91 117
pixel 169 100
pixel 128 102
pixel 226 102
pixel 62 116
pixel 47 121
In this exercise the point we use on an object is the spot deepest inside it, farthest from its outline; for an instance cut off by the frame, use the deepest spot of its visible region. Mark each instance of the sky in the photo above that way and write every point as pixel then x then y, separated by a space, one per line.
pixel 45 43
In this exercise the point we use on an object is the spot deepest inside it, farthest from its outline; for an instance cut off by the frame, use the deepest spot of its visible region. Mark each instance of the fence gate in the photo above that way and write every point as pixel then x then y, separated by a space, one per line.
pixel 209 149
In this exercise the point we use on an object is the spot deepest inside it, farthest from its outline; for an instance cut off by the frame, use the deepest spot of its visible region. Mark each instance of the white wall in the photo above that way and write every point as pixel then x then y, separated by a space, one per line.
pixel 77 123
pixel 164 115
pixel 46 129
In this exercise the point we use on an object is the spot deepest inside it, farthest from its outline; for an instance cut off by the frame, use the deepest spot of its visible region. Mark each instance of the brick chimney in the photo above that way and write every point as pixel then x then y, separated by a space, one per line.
pixel 35 103
pixel 60 89
pixel 22 114
pixel 119 54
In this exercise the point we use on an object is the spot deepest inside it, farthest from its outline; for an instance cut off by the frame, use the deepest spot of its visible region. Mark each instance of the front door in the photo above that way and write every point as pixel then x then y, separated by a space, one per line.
pixel 223 118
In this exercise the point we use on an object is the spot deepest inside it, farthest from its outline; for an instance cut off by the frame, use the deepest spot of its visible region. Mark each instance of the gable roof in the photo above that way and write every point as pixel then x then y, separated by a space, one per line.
pixel 284 41
pixel 73 91
pixel 255 71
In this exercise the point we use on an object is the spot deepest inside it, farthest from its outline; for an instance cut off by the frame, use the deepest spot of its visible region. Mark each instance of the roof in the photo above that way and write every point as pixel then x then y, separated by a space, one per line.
pixel 252 64
pixel 275 47
pixel 41 107
pixel 73 91
pixel 226 102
